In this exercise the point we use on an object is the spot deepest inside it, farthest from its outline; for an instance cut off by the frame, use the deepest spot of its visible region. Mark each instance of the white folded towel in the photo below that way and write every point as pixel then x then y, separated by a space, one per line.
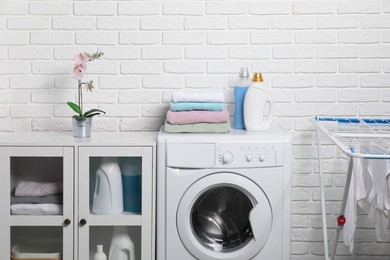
pixel 36 209
pixel 39 189
pixel 198 95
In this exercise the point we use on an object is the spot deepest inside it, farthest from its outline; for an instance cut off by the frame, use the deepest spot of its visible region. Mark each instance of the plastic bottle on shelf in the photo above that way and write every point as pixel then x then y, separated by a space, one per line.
pixel 121 247
pixel 108 194
pixel 99 255
pixel 131 169
pixel 240 88
pixel 258 106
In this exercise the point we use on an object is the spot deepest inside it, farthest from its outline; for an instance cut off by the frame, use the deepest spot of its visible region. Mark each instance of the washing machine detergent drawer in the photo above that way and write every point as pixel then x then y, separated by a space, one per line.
pixel 190 155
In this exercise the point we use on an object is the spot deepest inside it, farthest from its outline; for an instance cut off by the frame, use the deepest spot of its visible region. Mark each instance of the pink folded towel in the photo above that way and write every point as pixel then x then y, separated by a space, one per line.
pixel 192 117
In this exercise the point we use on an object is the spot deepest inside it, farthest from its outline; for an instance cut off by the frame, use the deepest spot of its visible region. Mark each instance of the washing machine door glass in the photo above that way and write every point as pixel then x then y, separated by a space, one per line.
pixel 220 218
pixel 224 216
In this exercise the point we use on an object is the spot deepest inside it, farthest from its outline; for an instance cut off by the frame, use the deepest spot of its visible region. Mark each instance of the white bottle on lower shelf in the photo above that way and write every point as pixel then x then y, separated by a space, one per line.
pixel 121 247
pixel 99 255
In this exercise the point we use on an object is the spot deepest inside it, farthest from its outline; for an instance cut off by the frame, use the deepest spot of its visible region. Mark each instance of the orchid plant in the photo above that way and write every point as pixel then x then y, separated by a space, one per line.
pixel 78 73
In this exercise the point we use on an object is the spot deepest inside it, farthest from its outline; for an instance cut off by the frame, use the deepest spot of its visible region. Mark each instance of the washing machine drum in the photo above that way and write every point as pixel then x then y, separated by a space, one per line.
pixel 220 218
pixel 229 219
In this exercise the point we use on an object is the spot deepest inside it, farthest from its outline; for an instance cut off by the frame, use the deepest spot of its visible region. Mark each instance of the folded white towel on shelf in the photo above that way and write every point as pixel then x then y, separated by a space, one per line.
pixel 55 198
pixel 39 189
pixel 198 95
pixel 36 209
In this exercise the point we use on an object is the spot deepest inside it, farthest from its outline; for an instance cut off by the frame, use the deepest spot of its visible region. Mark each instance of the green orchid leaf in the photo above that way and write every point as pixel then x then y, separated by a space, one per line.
pixel 80 118
pixel 93 112
pixel 75 107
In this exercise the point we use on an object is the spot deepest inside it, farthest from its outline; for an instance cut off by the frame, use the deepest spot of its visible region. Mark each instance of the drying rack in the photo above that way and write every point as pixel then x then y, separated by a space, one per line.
pixel 347 133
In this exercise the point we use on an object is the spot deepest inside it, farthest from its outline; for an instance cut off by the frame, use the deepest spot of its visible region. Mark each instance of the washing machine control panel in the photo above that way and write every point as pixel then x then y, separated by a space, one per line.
pixel 248 155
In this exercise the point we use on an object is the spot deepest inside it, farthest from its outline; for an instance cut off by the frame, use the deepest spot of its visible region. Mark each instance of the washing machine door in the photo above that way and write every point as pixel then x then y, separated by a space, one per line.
pixel 224 216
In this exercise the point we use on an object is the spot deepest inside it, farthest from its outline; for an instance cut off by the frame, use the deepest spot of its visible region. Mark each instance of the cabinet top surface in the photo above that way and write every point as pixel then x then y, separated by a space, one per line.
pixel 67 139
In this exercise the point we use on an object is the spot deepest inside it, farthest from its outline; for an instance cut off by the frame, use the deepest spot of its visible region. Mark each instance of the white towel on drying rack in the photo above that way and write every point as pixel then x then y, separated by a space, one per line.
pixel 357 191
pixel 377 202
pixel 370 189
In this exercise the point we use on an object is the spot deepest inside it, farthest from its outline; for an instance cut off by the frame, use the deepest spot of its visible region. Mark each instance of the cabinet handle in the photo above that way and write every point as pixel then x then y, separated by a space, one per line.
pixel 83 222
pixel 67 222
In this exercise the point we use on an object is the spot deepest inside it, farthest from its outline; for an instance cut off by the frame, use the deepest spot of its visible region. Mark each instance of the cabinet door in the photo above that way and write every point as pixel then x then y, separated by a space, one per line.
pixel 98 195
pixel 37 188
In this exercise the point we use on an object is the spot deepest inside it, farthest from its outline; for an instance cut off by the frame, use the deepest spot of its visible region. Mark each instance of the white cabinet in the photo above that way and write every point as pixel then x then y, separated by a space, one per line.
pixel 60 158
pixel 95 230
pixel 36 164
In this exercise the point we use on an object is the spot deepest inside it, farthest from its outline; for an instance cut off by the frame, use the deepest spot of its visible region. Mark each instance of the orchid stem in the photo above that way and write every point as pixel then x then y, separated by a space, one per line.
pixel 80 94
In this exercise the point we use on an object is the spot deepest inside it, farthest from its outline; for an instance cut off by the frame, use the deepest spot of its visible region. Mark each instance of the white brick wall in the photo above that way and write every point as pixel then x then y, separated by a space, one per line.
pixel 50 8
pixel 321 57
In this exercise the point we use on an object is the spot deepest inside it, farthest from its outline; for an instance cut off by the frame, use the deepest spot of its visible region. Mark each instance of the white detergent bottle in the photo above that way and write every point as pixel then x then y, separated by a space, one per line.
pixel 121 247
pixel 108 195
pixel 258 106
pixel 99 255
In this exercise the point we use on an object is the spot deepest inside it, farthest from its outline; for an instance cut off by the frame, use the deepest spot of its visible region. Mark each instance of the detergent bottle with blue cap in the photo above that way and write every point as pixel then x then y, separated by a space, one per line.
pixel 240 88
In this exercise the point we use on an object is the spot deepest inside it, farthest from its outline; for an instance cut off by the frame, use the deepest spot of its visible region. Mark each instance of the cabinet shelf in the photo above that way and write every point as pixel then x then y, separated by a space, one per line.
pixel 36 220
pixel 115 220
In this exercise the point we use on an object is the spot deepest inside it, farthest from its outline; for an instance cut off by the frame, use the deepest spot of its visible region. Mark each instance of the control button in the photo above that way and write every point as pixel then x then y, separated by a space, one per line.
pixel 262 158
pixel 249 157
pixel 226 158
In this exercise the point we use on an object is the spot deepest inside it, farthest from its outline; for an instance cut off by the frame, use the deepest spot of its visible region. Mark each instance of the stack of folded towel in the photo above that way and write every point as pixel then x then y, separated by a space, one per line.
pixel 37 198
pixel 197 111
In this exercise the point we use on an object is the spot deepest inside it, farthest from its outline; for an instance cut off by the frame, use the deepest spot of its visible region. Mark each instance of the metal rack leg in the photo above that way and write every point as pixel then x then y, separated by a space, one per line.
pixel 342 210
pixel 323 210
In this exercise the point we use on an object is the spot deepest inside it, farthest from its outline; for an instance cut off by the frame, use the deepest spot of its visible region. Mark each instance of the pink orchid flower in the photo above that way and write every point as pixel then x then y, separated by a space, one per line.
pixel 80 65
pixel 82 58
pixel 79 71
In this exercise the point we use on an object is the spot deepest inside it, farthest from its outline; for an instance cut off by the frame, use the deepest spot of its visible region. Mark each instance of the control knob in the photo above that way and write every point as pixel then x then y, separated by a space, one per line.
pixel 262 158
pixel 226 158
pixel 249 157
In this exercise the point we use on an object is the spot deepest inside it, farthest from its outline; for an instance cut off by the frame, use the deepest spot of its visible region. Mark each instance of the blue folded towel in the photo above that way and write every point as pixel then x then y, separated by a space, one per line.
pixel 188 106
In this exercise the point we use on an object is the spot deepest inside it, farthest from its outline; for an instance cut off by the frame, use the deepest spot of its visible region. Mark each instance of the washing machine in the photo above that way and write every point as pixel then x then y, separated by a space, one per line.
pixel 224 196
